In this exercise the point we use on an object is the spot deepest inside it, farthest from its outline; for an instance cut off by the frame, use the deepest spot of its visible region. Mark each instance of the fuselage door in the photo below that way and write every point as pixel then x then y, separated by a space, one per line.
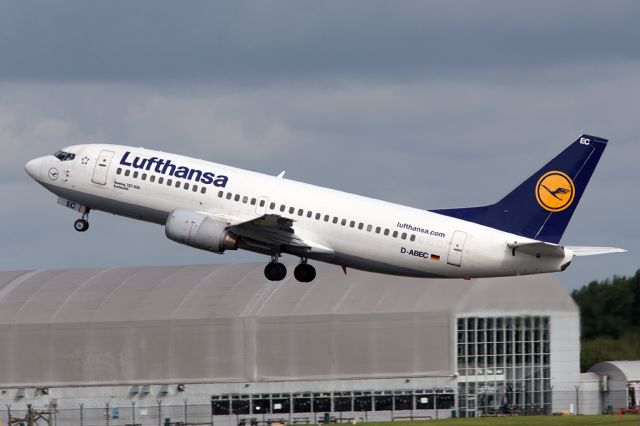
pixel 102 167
pixel 455 250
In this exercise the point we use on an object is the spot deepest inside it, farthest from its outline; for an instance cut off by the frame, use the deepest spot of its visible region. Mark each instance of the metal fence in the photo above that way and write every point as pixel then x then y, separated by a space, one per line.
pixel 162 413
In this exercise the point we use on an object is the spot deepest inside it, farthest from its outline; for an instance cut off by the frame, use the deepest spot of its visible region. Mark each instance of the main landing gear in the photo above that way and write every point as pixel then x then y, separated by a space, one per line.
pixel 276 271
pixel 81 225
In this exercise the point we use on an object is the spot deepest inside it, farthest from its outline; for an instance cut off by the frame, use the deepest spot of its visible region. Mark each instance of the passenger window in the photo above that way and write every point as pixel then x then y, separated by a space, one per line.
pixel 245 199
pixel 360 225
pixel 135 175
pixel 282 207
pixel 237 197
pixel 169 182
pixel 395 234
pixel 318 215
pixel 343 222
pixel 335 219
pixel 127 172
pixel 386 232
pixel 144 176
pixel 352 223
pixel 152 178
pixel 203 190
pixel 262 203
pixel 413 238
pixel 160 180
pixel 300 212
pixel 220 194
pixel 253 201
pixel 195 188
pixel 369 228
pixel 326 218
pixel 309 214
pixel 404 236
pixel 186 186
pixel 177 184
pixel 377 229
pixel 272 206
pixel 291 210
pixel 229 195
pixel 119 171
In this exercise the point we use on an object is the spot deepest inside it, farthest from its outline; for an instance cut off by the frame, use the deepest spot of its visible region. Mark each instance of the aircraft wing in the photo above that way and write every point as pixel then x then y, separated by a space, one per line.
pixel 540 248
pixel 275 230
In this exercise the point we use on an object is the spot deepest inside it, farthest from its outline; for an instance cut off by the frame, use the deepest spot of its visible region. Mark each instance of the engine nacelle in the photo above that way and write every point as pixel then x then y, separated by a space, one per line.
pixel 200 231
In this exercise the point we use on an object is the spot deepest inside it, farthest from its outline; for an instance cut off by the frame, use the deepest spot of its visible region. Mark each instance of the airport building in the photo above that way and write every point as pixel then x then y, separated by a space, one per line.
pixel 219 343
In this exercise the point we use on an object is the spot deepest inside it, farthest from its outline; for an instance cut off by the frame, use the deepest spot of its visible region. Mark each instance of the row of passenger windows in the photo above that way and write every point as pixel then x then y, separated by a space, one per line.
pixel 318 216
pixel 272 206
pixel 161 180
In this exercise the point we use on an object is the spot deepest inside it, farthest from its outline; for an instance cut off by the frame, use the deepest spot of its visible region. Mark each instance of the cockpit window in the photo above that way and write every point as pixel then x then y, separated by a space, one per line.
pixel 64 156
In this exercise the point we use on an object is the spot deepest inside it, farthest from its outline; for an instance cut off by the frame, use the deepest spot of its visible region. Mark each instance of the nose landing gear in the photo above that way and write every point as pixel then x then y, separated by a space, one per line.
pixel 81 225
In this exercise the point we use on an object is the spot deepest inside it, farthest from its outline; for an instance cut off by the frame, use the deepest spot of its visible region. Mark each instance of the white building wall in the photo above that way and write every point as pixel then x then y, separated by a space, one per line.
pixel 565 360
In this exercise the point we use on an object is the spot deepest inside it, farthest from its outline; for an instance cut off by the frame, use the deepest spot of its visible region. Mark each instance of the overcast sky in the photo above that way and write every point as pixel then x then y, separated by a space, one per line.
pixel 430 104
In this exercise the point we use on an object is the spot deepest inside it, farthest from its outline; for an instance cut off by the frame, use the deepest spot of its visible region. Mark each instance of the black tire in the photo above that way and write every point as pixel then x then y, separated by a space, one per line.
pixel 304 273
pixel 81 225
pixel 275 271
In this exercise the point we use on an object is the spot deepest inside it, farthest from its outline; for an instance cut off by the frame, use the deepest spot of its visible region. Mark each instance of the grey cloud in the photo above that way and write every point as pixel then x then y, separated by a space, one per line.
pixel 257 43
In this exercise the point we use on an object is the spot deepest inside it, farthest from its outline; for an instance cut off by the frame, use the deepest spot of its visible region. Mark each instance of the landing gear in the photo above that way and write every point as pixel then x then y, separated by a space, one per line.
pixel 275 271
pixel 81 225
pixel 304 272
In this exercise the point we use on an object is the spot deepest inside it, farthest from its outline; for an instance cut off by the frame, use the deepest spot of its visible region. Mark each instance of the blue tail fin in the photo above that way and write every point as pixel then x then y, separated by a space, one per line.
pixel 541 207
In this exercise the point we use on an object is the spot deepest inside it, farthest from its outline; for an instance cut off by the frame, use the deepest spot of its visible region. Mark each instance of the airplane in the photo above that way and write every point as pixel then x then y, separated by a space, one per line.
pixel 215 207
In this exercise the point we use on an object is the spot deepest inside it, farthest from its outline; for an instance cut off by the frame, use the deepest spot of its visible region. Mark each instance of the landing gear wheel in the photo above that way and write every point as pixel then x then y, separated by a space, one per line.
pixel 275 271
pixel 81 225
pixel 304 273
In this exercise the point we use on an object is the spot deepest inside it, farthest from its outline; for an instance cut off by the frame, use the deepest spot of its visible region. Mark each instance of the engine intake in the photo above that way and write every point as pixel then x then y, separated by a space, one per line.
pixel 199 231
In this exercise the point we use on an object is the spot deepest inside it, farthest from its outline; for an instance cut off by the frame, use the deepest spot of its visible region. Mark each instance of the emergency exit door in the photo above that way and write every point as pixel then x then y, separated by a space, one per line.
pixel 102 167
pixel 455 250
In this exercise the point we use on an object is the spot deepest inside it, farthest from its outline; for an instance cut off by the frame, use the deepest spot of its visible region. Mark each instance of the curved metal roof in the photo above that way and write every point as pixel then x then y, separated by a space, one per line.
pixel 226 323
pixel 240 290
pixel 626 370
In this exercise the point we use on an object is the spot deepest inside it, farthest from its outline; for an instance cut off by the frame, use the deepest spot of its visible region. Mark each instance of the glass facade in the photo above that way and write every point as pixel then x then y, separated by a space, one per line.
pixel 503 365
pixel 333 402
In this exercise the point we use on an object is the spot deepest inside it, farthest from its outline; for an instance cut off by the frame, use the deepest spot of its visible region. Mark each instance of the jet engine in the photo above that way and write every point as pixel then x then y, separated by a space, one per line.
pixel 197 230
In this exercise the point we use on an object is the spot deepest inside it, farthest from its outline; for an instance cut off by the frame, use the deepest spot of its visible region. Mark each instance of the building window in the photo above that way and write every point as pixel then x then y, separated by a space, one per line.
pixel 502 361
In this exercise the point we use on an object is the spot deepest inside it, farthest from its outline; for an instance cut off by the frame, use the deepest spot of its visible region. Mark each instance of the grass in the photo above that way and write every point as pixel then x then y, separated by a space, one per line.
pixel 524 421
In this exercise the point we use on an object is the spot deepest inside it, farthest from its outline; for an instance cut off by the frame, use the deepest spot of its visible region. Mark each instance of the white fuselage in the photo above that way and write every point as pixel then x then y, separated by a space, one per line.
pixel 342 228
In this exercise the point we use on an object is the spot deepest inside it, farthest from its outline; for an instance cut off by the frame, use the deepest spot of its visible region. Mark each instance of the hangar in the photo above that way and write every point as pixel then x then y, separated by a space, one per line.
pixel 220 343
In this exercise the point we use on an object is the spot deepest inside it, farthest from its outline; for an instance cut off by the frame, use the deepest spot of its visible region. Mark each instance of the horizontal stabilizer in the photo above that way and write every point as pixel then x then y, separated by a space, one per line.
pixel 591 251
pixel 538 248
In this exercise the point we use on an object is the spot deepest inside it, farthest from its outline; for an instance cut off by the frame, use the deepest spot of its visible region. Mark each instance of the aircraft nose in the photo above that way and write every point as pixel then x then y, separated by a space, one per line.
pixel 33 168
